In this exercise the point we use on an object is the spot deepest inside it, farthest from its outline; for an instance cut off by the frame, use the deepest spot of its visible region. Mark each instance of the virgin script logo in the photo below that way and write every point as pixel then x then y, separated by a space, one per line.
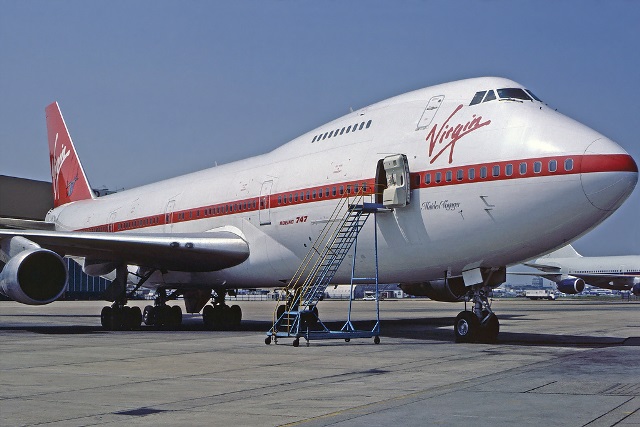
pixel 449 134
pixel 56 165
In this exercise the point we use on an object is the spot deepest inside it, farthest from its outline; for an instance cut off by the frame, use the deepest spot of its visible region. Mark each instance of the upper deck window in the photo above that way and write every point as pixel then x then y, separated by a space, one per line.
pixel 513 94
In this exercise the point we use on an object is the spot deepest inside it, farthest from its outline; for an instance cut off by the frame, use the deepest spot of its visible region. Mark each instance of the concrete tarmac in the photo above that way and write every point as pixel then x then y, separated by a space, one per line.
pixel 557 363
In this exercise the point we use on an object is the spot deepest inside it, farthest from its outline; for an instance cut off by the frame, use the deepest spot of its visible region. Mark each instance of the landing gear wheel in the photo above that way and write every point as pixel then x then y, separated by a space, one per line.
pixel 376 340
pixel 176 316
pixel 105 317
pixel 149 315
pixel 267 340
pixel 235 316
pixel 489 330
pixel 466 327
pixel 135 318
pixel 296 342
pixel 208 317
pixel 347 339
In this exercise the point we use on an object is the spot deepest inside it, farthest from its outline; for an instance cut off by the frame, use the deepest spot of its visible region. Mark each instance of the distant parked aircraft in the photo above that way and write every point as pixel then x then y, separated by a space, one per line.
pixel 571 271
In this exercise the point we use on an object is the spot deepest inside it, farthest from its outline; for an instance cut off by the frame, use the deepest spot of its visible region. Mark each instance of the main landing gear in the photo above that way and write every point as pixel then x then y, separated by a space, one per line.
pixel 118 316
pixel 219 316
pixel 480 324
pixel 161 314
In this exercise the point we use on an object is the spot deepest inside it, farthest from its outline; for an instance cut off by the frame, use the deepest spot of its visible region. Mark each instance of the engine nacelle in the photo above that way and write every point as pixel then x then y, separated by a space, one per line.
pixel 636 289
pixel 572 285
pixel 452 290
pixel 35 276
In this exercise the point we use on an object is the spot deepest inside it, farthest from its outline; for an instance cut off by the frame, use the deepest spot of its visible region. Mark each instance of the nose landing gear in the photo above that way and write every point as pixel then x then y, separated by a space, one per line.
pixel 479 324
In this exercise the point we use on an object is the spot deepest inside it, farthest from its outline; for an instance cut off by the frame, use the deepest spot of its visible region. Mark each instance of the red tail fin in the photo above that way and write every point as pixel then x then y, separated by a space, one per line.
pixel 69 181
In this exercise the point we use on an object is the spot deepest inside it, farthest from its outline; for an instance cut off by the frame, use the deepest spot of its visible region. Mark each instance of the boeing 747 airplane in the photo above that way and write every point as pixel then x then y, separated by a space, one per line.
pixel 460 168
pixel 571 271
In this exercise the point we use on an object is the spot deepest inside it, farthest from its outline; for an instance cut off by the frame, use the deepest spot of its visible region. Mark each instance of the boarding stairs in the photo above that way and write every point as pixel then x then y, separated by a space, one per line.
pixel 298 317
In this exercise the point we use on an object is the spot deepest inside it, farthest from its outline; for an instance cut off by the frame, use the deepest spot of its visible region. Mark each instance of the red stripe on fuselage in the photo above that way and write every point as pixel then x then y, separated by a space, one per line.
pixel 580 164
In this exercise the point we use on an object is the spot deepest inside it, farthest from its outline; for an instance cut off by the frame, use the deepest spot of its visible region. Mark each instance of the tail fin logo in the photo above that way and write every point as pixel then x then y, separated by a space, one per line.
pixel 56 167
pixel 70 184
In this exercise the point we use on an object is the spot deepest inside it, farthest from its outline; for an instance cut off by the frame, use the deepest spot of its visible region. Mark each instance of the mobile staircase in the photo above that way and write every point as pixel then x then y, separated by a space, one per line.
pixel 298 317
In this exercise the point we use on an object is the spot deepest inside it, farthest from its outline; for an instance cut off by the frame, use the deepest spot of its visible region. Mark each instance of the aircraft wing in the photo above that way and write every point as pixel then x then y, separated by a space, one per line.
pixel 25 224
pixel 209 251
pixel 550 268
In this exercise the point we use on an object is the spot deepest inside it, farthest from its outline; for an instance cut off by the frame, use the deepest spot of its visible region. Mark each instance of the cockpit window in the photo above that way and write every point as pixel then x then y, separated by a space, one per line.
pixel 513 93
pixel 533 96
pixel 491 95
pixel 477 99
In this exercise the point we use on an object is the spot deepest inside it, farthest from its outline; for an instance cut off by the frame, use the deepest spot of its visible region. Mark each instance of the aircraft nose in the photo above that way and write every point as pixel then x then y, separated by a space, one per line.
pixel 608 174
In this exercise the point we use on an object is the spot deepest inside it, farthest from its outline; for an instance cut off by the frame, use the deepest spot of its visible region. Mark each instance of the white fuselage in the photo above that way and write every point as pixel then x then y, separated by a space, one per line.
pixel 461 222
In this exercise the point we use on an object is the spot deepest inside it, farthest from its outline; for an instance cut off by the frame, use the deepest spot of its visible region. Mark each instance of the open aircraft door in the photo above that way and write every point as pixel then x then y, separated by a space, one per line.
pixel 264 209
pixel 397 193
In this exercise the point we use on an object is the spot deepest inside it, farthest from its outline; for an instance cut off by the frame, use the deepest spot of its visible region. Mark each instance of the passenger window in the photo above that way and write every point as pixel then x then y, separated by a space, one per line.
pixel 448 176
pixel 333 191
pixel 427 178
pixel 341 190
pixel 348 189
pixel 295 197
pixel 478 97
pixel 326 192
pixel 523 168
pixel 290 198
pixel 364 187
pixel 438 177
pixel 537 167
pixel 313 194
pixel 496 170
pixel 460 175
pixel 308 195
pixel 491 95
pixel 508 170
pixel 553 165
pixel 472 173
pixel 568 164
pixel 483 172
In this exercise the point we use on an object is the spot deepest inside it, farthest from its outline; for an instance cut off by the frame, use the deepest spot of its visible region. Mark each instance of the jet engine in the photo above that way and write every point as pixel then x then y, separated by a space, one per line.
pixel 571 285
pixel 636 289
pixel 452 290
pixel 34 276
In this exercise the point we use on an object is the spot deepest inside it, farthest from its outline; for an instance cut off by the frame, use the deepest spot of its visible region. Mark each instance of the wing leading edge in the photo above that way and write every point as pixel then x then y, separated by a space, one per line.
pixel 195 252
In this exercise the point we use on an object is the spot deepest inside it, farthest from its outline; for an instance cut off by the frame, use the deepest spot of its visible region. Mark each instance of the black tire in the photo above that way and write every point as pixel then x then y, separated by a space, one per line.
pixel 105 317
pixel 208 317
pixel 296 342
pixel 267 340
pixel 235 316
pixel 149 315
pixel 376 340
pixel 135 318
pixel 115 319
pixel 489 330
pixel 466 327
pixel 176 316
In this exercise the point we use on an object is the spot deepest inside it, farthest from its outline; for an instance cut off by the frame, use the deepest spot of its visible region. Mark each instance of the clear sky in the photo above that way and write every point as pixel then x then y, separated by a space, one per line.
pixel 154 89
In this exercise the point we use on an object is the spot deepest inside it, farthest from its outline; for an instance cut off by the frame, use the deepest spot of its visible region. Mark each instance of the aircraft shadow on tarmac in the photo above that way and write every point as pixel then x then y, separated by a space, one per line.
pixel 427 328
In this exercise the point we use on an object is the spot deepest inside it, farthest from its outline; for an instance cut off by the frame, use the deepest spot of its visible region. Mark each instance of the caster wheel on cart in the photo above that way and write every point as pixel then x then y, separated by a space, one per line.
pixel 296 342
pixel 347 339
pixel 376 340
pixel 267 340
